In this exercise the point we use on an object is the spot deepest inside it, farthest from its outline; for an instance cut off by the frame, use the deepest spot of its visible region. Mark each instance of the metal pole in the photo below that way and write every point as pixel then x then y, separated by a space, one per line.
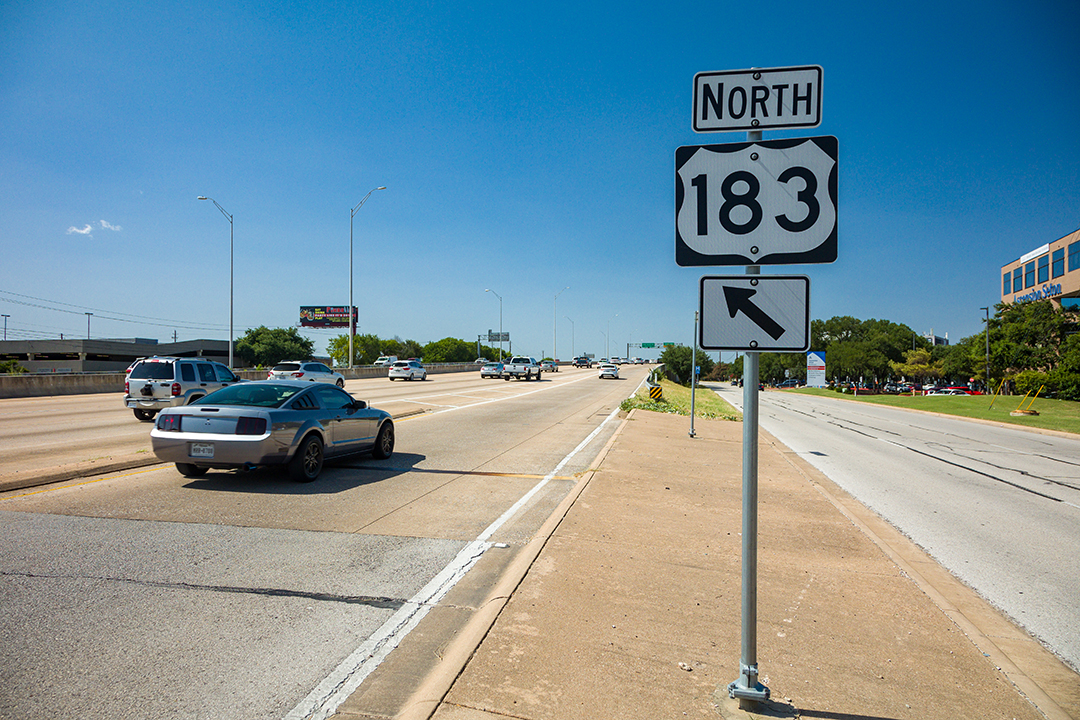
pixel 555 324
pixel 747 688
pixel 987 309
pixel 352 319
pixel 693 374
pixel 88 324
pixel 230 219
pixel 5 327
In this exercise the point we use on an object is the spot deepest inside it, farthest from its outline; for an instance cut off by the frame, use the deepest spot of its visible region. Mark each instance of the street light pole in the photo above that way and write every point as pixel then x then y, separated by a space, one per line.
pixel 573 348
pixel 555 325
pixel 5 327
pixel 500 321
pixel 88 324
pixel 607 337
pixel 352 319
pixel 230 219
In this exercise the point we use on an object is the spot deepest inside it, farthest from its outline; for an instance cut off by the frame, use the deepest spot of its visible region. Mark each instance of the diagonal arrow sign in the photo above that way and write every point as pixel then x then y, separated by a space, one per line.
pixel 738 299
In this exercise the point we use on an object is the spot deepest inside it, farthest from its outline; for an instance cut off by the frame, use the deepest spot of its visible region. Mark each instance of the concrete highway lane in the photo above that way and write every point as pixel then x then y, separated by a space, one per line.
pixel 145 594
pixel 997 506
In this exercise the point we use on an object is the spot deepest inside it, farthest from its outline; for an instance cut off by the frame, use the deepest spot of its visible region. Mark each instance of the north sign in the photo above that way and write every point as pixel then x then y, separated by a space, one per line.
pixel 760 99
pixel 755 313
pixel 768 202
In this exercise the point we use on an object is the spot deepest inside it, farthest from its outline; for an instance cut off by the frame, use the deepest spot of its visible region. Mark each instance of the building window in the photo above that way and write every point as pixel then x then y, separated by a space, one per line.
pixel 1006 283
pixel 1044 269
pixel 1074 256
pixel 1057 268
pixel 1029 275
pixel 1018 279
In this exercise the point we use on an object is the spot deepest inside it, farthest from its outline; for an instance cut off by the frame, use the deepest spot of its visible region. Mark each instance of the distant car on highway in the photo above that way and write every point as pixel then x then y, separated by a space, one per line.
pixel 289 423
pixel 309 371
pixel 608 370
pixel 582 361
pixel 407 370
pixel 549 366
pixel 790 383
pixel 385 361
pixel 492 370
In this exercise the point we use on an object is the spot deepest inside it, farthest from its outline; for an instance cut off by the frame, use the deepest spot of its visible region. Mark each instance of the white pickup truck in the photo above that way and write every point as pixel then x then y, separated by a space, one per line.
pixel 522 368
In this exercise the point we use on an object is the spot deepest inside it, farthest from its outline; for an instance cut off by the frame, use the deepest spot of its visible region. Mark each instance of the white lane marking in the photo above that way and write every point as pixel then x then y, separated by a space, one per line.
pixel 324 700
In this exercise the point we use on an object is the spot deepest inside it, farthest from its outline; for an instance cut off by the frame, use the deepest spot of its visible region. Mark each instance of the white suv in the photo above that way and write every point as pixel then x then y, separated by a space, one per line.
pixel 160 382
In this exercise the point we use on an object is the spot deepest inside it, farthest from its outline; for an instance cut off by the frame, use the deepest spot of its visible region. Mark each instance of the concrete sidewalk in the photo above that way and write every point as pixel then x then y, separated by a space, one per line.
pixel 632 607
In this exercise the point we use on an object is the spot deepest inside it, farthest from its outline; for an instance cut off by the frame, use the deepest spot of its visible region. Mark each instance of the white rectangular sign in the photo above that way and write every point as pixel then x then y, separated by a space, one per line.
pixel 755 313
pixel 758 99
pixel 815 369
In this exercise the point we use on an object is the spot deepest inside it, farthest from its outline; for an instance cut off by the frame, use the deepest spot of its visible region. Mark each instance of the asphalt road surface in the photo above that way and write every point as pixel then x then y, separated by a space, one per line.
pixel 999 507
pixel 144 594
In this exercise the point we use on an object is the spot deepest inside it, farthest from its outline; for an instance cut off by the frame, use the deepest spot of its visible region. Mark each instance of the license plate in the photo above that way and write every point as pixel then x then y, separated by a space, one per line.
pixel 201 450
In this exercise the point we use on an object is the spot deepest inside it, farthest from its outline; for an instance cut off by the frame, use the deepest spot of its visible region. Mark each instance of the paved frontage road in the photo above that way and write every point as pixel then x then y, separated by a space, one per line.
pixel 997 506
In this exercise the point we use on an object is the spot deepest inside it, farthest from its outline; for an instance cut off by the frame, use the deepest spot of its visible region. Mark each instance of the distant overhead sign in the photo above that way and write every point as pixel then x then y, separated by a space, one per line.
pixel 757 203
pixel 757 99
pixel 755 313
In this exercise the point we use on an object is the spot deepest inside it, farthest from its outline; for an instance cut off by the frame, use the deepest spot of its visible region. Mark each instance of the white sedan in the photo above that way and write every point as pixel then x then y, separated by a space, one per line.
pixel 608 370
pixel 309 371
pixel 407 370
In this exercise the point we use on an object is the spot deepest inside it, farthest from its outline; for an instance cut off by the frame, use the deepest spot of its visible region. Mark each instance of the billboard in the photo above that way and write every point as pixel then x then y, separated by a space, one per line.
pixel 321 316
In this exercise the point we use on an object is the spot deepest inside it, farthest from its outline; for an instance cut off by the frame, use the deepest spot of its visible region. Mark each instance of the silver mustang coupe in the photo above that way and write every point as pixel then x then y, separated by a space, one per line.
pixel 271 422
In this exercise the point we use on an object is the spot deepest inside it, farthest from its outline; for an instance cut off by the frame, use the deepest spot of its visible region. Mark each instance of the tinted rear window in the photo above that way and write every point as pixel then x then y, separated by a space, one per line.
pixel 256 394
pixel 287 367
pixel 152 371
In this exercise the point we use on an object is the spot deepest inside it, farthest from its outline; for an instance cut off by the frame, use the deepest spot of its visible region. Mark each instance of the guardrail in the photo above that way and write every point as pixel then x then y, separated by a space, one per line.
pixel 46 384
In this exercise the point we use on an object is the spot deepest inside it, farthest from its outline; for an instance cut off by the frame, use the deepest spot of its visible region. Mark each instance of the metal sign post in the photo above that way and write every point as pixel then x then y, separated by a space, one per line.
pixel 755 203
pixel 693 374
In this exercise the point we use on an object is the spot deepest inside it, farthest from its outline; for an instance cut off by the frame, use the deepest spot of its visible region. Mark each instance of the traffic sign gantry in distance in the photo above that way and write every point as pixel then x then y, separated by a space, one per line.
pixel 755 313
pixel 768 202
pixel 758 99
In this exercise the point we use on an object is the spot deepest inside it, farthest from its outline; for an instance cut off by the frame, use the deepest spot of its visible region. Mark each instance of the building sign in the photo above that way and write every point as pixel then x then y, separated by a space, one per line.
pixel 1046 291
pixel 815 369
pixel 325 316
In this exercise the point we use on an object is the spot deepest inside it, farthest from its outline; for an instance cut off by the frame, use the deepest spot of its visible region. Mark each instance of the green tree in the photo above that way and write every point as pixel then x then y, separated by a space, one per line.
pixel 366 349
pixel 918 365
pixel 12 367
pixel 265 347
pixel 677 361
pixel 450 350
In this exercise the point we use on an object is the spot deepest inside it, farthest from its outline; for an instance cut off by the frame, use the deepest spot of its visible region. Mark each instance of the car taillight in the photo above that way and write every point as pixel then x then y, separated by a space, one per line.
pixel 176 389
pixel 269 374
pixel 169 423
pixel 250 426
pixel 127 387
pixel 298 374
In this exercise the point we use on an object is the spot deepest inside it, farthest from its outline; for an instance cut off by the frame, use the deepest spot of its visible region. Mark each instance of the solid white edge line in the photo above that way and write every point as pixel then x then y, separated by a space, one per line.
pixel 328 695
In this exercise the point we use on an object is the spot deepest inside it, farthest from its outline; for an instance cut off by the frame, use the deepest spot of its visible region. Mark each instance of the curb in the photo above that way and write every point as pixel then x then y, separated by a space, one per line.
pixel 426 699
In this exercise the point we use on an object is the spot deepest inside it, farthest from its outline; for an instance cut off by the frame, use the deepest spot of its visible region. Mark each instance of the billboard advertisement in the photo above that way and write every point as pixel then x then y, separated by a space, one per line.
pixel 322 316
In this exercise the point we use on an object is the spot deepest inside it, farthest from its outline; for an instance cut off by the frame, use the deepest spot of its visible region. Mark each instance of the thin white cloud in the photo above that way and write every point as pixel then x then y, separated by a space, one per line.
pixel 107 226
pixel 84 231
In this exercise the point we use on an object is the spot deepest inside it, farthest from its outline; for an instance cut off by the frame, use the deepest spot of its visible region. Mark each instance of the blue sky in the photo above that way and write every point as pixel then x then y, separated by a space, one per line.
pixel 525 147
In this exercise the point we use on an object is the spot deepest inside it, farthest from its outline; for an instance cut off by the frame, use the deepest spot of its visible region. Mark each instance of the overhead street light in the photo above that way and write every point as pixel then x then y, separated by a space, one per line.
pixel 500 322
pixel 352 319
pixel 555 325
pixel 230 219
